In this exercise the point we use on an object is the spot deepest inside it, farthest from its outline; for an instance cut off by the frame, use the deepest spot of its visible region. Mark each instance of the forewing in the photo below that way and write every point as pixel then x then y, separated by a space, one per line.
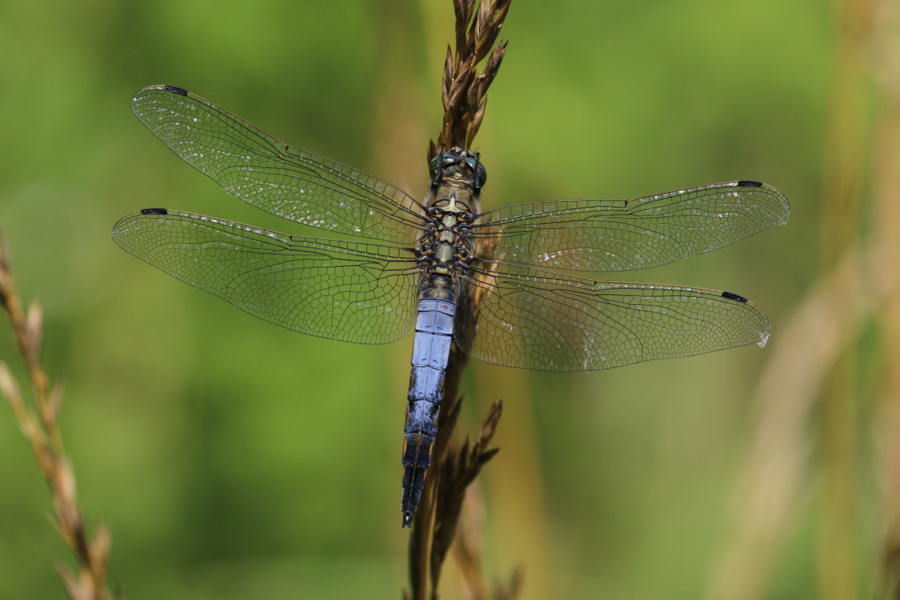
pixel 622 235
pixel 272 176
pixel 347 291
pixel 547 321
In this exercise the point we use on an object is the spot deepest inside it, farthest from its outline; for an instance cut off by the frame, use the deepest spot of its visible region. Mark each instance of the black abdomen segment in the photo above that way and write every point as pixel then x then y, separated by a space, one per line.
pixel 431 349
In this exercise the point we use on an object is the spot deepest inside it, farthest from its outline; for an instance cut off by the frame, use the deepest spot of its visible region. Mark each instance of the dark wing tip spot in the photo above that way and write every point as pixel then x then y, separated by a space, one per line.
pixel 176 90
pixel 734 297
pixel 749 183
pixel 154 211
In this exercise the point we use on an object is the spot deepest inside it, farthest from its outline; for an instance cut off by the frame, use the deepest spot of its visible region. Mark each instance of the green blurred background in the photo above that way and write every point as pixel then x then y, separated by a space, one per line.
pixel 234 459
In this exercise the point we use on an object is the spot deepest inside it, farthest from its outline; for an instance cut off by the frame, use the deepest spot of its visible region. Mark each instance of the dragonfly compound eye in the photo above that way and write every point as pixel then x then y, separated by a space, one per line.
pixel 480 176
pixel 434 164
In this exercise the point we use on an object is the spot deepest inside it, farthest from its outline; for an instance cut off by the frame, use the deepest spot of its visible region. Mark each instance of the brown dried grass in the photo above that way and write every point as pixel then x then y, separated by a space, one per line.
pixel 38 420
pixel 454 468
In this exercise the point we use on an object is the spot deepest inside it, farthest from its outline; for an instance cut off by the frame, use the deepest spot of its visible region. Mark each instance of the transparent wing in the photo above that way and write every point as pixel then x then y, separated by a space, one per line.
pixel 272 176
pixel 554 322
pixel 622 235
pixel 347 291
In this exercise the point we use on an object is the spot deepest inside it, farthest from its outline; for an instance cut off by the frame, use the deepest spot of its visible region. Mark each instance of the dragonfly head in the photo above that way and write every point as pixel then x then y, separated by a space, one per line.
pixel 459 165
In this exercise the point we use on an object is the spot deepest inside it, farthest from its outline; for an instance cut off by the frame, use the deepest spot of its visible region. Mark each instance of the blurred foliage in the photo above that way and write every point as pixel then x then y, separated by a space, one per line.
pixel 233 459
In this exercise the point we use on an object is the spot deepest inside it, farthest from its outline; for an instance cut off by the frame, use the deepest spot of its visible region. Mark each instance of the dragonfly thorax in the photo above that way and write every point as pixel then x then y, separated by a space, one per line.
pixel 445 247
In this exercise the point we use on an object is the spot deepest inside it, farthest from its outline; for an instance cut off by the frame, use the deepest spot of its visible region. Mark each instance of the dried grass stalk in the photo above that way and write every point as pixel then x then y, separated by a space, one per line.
pixel 38 421
pixel 464 89
pixel 453 470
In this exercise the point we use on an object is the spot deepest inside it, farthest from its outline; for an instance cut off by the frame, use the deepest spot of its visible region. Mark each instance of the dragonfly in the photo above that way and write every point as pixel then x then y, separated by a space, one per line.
pixel 510 286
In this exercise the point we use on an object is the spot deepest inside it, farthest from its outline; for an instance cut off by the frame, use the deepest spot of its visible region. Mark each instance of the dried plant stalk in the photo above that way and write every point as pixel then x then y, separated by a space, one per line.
pixel 464 89
pixel 861 284
pixel 464 97
pixel 38 421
